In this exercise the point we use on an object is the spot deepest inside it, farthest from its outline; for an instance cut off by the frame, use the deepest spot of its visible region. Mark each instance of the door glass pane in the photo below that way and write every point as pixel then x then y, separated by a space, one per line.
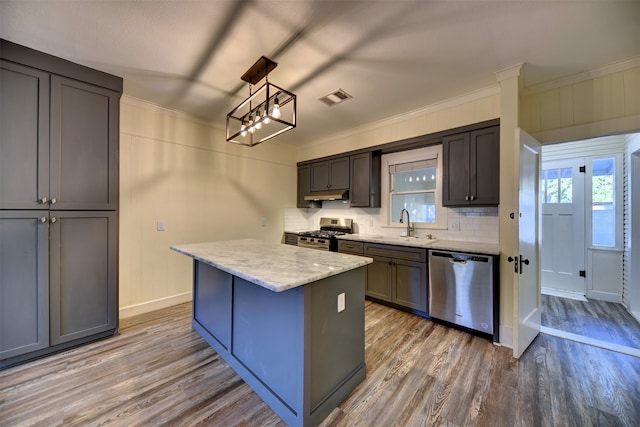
pixel 543 186
pixel 566 186
pixel 603 202
pixel 552 186
pixel 421 207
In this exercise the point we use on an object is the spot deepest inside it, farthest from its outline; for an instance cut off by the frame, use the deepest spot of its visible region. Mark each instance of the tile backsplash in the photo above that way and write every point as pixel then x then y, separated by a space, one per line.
pixel 474 224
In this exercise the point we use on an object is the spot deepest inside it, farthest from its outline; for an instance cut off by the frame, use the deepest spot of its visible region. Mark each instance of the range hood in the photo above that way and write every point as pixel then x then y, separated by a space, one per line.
pixel 328 195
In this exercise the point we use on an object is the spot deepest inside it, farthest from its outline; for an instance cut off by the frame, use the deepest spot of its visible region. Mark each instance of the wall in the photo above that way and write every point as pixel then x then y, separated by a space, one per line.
pixel 631 260
pixel 597 103
pixel 183 172
pixel 471 108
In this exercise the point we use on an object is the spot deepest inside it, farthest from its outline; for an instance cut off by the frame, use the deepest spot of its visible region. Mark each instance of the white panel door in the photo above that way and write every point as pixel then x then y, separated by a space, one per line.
pixel 526 283
pixel 563 246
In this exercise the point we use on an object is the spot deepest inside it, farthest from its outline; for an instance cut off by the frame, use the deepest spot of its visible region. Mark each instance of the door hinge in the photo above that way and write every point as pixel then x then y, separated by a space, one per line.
pixel 583 273
pixel 583 169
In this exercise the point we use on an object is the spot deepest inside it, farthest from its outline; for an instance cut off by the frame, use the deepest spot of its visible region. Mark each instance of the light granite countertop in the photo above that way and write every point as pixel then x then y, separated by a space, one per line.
pixel 423 242
pixel 273 266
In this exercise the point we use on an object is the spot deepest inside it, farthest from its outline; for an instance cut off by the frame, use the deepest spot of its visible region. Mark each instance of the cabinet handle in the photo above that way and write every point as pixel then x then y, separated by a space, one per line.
pixel 53 220
pixel 466 198
pixel 43 219
pixel 53 200
pixel 473 197
pixel 44 200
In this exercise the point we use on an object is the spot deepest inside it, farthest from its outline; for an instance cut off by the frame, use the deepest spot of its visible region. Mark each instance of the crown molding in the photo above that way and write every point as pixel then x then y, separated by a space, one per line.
pixel 509 72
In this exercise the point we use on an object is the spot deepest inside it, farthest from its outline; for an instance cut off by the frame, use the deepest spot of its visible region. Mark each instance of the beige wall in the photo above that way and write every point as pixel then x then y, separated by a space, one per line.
pixel 593 104
pixel 182 171
pixel 468 109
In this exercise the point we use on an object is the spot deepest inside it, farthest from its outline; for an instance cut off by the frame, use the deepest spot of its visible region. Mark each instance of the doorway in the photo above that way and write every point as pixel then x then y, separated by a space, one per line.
pixel 582 205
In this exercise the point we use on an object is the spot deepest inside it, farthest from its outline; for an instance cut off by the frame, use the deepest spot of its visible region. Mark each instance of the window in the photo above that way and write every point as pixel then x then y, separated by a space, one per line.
pixel 603 206
pixel 412 181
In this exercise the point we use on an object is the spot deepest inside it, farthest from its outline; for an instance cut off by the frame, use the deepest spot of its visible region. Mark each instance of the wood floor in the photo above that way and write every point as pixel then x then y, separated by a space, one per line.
pixel 419 373
pixel 600 320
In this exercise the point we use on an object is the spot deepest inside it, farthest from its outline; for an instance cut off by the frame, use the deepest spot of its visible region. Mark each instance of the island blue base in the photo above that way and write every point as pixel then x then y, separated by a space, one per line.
pixel 300 354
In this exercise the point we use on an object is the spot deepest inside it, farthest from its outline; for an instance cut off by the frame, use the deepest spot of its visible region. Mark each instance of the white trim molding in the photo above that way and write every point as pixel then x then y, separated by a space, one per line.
pixel 157 304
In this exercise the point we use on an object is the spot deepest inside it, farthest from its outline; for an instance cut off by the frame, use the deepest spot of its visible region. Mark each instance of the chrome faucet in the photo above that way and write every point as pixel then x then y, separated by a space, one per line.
pixel 409 227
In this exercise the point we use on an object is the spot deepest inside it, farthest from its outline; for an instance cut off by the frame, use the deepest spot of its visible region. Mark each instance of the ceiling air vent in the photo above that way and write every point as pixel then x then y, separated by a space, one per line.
pixel 335 97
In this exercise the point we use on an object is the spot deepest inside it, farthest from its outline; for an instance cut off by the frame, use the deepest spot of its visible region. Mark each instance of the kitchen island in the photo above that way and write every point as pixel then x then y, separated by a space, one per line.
pixel 288 320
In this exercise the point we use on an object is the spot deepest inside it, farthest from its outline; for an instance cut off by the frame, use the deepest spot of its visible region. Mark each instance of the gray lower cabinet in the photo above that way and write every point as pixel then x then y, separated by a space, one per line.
pixel 24 282
pixel 291 239
pixel 83 274
pixel 58 278
pixel 398 275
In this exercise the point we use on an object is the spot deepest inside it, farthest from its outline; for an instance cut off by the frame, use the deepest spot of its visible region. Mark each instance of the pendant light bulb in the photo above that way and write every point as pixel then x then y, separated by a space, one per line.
pixel 276 109
pixel 243 130
pixel 265 117
pixel 258 119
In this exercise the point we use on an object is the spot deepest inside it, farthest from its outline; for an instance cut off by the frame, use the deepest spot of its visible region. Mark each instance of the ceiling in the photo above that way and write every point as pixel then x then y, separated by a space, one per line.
pixel 392 56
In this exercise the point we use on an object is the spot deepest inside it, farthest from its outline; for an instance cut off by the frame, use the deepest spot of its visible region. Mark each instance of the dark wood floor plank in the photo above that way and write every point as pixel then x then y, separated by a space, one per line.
pixel 159 372
pixel 601 320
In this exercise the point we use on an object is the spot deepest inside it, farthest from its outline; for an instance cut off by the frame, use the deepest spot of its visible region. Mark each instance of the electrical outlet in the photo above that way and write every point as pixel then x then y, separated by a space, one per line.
pixel 341 302
pixel 263 222
pixel 454 225
pixel 160 225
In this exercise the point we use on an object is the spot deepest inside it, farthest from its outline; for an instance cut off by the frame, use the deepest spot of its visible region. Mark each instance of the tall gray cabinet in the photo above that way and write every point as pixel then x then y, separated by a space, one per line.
pixel 58 204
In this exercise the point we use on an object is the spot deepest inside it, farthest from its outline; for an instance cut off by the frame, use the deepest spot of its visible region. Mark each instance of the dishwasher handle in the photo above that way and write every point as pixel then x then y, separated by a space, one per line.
pixel 457 261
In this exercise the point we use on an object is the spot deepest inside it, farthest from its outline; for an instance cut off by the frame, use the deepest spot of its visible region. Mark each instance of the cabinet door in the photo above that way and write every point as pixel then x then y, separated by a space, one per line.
pixel 84 146
pixel 83 274
pixel 360 171
pixel 304 187
pixel 24 282
pixel 455 177
pixel 379 279
pixel 339 173
pixel 319 176
pixel 24 137
pixel 410 284
pixel 485 166
pixel 212 301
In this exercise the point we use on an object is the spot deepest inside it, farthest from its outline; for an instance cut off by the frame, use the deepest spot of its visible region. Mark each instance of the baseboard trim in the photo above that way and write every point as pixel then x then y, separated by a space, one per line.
pixel 630 351
pixel 506 336
pixel 563 294
pixel 157 304
pixel 604 296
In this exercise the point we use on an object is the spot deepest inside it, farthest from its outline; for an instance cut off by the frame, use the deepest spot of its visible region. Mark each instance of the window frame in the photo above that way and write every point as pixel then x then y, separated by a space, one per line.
pixel 618 183
pixel 425 153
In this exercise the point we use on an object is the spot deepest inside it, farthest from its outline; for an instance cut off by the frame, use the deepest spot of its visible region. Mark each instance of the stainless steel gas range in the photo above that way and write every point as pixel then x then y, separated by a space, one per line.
pixel 326 238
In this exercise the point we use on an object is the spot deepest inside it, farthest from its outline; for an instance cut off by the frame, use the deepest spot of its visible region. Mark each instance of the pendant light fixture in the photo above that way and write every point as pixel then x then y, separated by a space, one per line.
pixel 266 113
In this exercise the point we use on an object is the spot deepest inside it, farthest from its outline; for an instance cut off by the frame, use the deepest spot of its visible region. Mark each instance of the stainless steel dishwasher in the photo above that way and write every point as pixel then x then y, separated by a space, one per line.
pixel 461 289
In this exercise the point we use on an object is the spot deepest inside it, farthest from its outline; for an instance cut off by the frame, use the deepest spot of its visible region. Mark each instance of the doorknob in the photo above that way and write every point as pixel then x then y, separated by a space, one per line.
pixel 523 261
pixel 515 267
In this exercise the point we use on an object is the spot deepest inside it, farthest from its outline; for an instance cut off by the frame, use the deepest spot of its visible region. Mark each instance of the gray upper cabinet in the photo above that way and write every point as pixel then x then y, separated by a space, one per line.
pixel 472 168
pixel 24 282
pixel 84 159
pixel 365 180
pixel 330 175
pixel 24 137
pixel 304 188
